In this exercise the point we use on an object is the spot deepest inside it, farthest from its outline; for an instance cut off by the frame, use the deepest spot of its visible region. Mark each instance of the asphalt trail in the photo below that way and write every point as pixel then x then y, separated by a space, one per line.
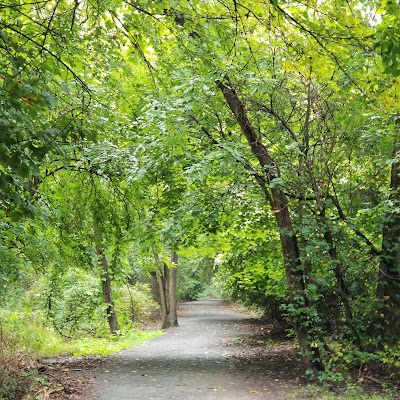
pixel 193 361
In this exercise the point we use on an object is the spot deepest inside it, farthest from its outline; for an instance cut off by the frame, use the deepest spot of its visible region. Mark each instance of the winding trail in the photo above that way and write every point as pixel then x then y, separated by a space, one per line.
pixel 193 361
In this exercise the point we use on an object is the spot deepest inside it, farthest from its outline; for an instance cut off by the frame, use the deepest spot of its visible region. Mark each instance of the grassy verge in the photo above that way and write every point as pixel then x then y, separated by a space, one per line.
pixel 97 346
pixel 30 333
pixel 352 392
pixel 25 337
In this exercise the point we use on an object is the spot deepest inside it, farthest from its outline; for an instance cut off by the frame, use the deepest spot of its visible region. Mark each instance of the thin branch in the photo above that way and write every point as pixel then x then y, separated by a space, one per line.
pixel 55 56
pixel 282 120
pixel 356 230
pixel 322 45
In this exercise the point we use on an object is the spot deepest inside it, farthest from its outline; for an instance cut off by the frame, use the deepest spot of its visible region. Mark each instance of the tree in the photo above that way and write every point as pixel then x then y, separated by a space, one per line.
pixel 295 93
pixel 295 273
pixel 203 112
pixel 166 276
pixel 94 212
pixel 386 36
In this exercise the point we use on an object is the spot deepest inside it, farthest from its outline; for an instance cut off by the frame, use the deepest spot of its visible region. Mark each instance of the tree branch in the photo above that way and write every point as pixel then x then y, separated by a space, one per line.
pixel 357 231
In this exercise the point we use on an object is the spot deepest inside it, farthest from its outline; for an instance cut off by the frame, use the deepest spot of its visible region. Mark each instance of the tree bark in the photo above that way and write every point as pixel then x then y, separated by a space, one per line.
pixel 112 317
pixel 162 290
pixel 155 290
pixel 173 272
pixel 166 278
pixel 277 199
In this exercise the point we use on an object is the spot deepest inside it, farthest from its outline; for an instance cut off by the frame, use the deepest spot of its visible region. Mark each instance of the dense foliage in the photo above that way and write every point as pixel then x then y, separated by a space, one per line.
pixel 262 135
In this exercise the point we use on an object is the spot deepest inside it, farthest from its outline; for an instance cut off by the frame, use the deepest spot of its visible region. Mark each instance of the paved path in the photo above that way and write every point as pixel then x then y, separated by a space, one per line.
pixel 190 362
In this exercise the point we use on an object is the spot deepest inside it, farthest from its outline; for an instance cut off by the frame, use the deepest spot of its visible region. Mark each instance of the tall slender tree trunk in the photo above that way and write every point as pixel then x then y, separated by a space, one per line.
pixel 342 292
pixel 160 274
pixel 389 280
pixel 173 272
pixel 167 278
pixel 112 317
pixel 295 275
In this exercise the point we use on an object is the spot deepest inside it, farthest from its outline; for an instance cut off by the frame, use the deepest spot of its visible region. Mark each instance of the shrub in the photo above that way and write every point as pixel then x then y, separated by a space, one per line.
pixel 134 304
pixel 391 358
pixel 15 381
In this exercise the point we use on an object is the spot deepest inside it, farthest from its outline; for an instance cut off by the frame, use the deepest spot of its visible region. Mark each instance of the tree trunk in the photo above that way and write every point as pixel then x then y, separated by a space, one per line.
pixel 160 269
pixel 155 290
pixel 295 276
pixel 389 281
pixel 107 292
pixel 173 272
pixel 166 278
pixel 112 317
pixel 163 302
pixel 341 291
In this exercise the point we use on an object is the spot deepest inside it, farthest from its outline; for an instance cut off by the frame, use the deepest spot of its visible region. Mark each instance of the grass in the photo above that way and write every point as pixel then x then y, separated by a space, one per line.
pixel 98 346
pixel 351 392
pixel 19 378
pixel 26 337
pixel 30 333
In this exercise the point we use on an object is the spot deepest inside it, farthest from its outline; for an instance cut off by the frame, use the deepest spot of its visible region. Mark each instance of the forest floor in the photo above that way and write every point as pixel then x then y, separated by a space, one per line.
pixel 217 352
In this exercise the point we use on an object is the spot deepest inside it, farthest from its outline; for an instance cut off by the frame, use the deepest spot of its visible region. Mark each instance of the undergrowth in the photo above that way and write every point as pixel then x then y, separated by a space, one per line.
pixel 99 346
pixel 18 366
pixel 18 375
pixel 351 392
pixel 29 331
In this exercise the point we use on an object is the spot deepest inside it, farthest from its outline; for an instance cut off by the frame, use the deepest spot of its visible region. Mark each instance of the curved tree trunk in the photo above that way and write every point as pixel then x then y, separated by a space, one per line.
pixel 295 275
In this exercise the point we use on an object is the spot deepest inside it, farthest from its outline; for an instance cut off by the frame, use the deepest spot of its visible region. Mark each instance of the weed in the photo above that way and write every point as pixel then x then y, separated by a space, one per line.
pixel 350 392
pixel 100 346
pixel 15 381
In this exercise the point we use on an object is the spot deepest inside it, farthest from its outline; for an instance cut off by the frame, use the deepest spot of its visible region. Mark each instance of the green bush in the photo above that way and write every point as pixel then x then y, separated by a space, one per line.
pixel 75 306
pixel 27 331
pixel 134 304
pixel 13 385
pixel 16 380
pixel 211 292
pixel 253 279
pixel 102 346
pixel 391 358
pixel 69 317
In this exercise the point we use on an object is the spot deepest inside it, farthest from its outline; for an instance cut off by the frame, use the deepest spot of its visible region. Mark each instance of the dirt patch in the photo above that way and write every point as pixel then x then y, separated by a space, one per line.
pixel 264 351
pixel 71 378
